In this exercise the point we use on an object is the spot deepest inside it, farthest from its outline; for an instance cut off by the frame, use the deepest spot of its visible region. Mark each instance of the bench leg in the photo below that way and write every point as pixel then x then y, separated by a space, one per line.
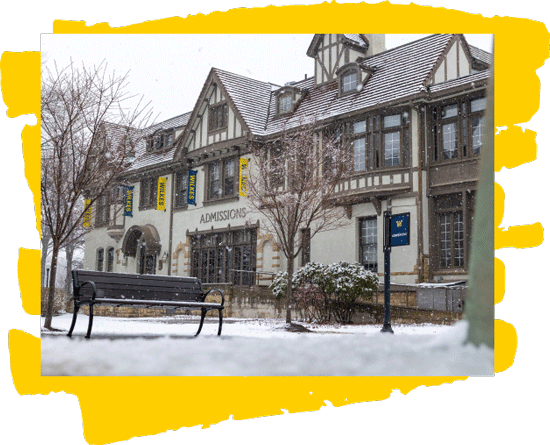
pixel 221 320
pixel 203 314
pixel 75 313
pixel 90 321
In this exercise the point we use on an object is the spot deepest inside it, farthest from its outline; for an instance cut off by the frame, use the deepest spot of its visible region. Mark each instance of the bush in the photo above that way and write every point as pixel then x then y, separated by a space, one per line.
pixel 324 293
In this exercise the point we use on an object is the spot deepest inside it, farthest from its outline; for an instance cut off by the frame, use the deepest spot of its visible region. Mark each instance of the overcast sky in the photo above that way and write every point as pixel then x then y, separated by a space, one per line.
pixel 170 70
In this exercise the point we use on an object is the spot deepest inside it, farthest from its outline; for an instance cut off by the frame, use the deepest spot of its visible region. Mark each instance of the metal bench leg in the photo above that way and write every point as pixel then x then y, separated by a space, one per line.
pixel 91 321
pixel 203 313
pixel 221 320
pixel 75 313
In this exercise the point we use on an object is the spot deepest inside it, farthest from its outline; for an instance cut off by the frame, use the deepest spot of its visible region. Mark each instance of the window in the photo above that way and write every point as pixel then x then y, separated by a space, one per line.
pixel 359 154
pixel 217 117
pixel 454 222
pixel 285 103
pixel 306 246
pixel 458 129
pixel 276 167
pixel 102 210
pixel 99 259
pixel 214 180
pixel 368 241
pixel 392 147
pixel 110 258
pixel 222 179
pixel 180 198
pixel 148 192
pixel 348 82
pixel 381 141
pixel 226 257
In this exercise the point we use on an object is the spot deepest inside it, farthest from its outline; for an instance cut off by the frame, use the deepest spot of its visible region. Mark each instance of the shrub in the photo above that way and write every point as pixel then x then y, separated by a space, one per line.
pixel 322 293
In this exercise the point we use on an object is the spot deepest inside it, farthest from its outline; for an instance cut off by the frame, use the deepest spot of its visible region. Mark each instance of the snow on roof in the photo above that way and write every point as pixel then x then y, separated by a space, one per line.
pixel 481 55
pixel 400 74
pixel 250 97
pixel 143 158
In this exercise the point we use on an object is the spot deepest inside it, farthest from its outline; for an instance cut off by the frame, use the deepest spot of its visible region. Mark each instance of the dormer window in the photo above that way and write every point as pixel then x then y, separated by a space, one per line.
pixel 288 98
pixel 348 82
pixel 285 104
pixel 160 140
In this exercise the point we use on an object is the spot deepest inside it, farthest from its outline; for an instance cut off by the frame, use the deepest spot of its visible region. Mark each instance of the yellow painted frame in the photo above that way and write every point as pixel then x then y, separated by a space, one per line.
pixel 262 396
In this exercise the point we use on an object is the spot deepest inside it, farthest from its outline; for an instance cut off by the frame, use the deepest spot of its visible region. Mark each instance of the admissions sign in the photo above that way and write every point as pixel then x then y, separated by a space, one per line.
pixel 400 225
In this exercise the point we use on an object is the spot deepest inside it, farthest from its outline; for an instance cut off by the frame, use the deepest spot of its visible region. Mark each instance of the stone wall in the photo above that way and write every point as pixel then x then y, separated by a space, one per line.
pixel 59 302
pixel 258 302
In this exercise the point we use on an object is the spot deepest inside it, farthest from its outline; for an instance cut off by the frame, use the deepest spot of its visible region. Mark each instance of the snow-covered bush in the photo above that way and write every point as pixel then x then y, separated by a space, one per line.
pixel 348 282
pixel 323 293
pixel 279 285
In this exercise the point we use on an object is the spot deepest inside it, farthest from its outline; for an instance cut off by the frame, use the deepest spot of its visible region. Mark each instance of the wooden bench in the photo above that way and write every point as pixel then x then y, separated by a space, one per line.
pixel 94 288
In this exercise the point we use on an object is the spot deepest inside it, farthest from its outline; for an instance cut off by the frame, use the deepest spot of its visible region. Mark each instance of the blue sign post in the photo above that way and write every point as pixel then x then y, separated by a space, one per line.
pixel 192 187
pixel 396 233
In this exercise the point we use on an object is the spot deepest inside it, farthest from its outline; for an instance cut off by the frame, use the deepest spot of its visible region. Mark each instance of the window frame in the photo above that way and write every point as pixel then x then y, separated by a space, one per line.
pixel 373 267
pixel 110 257
pixel 99 259
pixel 374 135
pixel 103 209
pixel 215 112
pixel 148 190
pixel 214 256
pixel 179 201
pixel 348 73
pixel 464 129
pixel 465 208
pixel 222 178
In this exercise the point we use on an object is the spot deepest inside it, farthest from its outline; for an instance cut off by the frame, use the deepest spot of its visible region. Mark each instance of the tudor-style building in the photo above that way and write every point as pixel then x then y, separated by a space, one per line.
pixel 413 116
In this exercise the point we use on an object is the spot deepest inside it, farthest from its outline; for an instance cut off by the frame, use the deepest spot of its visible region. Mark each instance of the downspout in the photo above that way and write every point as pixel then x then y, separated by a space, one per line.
pixel 420 220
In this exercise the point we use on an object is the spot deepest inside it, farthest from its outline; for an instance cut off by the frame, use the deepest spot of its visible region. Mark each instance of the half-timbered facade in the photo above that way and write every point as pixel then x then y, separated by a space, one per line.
pixel 413 117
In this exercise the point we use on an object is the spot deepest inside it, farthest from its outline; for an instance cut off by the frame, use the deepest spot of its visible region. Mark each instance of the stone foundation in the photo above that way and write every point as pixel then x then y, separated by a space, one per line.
pixel 258 302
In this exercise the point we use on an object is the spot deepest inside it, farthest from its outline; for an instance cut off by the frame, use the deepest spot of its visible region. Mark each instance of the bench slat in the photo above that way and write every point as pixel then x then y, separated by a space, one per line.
pixel 189 304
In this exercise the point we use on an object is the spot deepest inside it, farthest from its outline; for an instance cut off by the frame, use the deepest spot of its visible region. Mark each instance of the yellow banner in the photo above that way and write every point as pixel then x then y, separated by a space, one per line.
pixel 87 214
pixel 243 176
pixel 161 194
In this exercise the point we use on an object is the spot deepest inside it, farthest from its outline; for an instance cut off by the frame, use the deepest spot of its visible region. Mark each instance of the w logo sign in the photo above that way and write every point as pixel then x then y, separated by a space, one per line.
pixel 399 223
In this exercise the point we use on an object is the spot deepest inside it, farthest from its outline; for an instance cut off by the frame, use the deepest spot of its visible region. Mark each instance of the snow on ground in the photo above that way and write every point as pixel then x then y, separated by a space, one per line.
pixel 166 346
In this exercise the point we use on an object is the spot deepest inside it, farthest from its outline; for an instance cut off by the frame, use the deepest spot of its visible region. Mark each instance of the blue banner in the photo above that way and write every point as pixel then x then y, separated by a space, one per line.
pixel 192 187
pixel 400 229
pixel 129 200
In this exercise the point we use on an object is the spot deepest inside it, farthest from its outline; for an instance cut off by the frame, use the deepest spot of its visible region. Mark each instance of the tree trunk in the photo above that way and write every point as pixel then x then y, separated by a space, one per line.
pixel 45 242
pixel 290 272
pixel 51 290
pixel 69 251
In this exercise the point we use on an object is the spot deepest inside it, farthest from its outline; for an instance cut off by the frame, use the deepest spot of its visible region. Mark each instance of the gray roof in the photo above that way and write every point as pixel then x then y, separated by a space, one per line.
pixel 465 81
pixel 481 55
pixel 250 97
pixel 400 73
pixel 147 159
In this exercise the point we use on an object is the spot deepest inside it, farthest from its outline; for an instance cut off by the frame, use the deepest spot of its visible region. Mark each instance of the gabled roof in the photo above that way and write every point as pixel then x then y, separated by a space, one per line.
pixel 250 98
pixel 358 40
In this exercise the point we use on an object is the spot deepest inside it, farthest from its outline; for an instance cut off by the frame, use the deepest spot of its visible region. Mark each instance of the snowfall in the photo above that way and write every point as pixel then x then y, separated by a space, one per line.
pixel 257 347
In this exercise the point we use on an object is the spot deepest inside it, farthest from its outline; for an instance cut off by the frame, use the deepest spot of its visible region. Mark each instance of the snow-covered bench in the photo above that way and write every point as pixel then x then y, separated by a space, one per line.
pixel 94 288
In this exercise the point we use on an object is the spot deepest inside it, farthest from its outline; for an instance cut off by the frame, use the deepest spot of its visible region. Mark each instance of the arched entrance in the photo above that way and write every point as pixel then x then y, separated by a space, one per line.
pixel 143 244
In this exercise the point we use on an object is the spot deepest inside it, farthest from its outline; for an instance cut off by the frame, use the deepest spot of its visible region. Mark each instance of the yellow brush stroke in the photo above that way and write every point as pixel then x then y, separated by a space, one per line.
pixel 126 414
pixel 506 343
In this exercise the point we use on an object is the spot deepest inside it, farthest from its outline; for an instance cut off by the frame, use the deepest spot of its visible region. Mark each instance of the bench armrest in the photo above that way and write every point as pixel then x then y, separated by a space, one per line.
pixel 91 283
pixel 215 290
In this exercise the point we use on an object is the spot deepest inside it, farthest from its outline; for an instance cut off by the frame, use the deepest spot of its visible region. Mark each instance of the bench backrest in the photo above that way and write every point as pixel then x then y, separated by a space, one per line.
pixel 138 287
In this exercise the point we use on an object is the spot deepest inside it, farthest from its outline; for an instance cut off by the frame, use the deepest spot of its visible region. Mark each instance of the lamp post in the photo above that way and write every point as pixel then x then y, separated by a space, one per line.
pixel 387 252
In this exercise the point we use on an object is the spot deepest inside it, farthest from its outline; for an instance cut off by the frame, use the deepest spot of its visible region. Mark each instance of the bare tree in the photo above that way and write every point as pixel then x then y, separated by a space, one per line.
pixel 292 184
pixel 81 154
